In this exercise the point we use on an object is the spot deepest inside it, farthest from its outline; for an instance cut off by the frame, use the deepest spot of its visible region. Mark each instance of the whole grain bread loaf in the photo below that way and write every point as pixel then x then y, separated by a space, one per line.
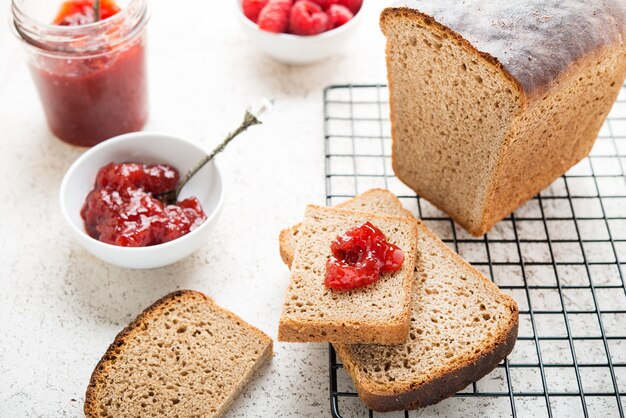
pixel 462 326
pixel 182 356
pixel 377 313
pixel 492 100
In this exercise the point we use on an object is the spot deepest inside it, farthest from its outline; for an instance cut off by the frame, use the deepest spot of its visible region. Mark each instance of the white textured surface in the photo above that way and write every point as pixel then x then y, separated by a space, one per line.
pixel 61 307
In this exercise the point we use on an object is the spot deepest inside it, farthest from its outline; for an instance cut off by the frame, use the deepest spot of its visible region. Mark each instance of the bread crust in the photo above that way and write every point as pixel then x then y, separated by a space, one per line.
pixel 534 41
pixel 503 199
pixel 407 12
pixel 99 373
pixel 286 249
pixel 446 384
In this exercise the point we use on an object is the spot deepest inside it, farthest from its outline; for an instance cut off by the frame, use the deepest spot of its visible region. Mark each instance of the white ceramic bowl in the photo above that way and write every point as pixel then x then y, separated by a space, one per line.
pixel 143 147
pixel 299 50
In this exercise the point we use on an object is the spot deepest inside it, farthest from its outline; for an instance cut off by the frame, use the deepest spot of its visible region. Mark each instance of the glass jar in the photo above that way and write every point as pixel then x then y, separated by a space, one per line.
pixel 91 78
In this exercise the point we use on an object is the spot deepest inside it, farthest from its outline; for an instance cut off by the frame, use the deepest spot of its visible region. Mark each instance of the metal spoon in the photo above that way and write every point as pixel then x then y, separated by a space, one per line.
pixel 251 117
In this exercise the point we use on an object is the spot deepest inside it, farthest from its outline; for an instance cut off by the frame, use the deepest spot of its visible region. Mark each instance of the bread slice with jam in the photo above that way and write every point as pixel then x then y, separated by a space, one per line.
pixel 377 313
pixel 462 325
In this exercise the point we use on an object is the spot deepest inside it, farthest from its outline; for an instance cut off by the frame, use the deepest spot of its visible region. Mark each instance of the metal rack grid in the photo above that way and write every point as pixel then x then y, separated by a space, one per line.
pixel 562 256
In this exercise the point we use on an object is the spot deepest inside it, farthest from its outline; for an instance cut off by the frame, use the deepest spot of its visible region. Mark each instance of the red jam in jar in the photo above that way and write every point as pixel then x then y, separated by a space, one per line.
pixel 81 12
pixel 91 76
pixel 360 256
pixel 121 209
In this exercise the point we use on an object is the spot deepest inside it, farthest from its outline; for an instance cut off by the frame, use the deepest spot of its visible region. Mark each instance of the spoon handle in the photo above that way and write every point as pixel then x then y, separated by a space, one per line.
pixel 251 118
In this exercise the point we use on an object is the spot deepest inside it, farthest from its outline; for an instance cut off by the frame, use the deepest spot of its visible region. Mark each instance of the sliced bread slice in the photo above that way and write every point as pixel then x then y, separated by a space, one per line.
pixel 378 313
pixel 182 356
pixel 462 326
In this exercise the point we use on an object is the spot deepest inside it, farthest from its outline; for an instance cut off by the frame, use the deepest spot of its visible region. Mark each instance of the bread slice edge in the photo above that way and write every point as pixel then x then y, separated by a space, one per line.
pixel 348 332
pixel 440 387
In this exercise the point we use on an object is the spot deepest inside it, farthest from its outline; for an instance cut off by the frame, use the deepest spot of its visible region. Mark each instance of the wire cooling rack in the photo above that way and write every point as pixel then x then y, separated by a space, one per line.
pixel 562 256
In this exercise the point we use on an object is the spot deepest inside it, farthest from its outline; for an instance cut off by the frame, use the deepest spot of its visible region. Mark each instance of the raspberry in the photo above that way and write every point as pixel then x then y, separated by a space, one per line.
pixel 338 15
pixel 307 18
pixel 353 5
pixel 325 4
pixel 252 8
pixel 275 16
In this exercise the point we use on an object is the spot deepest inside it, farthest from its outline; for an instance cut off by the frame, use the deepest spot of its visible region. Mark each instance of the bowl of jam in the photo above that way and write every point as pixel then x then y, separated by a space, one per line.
pixel 110 198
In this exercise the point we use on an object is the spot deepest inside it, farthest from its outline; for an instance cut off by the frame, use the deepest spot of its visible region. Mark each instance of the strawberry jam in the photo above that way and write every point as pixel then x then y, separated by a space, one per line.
pixel 80 12
pixel 91 76
pixel 360 256
pixel 121 209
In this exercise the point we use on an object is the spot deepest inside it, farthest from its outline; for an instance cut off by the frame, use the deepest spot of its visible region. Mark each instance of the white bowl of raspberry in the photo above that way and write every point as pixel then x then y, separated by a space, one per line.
pixel 109 199
pixel 301 31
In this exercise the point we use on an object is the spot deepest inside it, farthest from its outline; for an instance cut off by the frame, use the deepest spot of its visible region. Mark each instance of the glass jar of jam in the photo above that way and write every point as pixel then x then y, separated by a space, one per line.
pixel 90 75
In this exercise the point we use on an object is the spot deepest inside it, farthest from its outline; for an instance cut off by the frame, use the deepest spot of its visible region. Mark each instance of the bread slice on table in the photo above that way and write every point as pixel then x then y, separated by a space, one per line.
pixel 182 356
pixel 462 326
pixel 377 313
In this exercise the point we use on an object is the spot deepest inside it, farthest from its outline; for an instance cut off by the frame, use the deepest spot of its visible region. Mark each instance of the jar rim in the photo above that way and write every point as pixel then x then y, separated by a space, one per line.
pixel 91 38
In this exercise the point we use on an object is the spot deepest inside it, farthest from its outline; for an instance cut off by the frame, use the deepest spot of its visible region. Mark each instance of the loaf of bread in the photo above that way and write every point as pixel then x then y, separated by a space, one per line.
pixel 377 313
pixel 492 100
pixel 462 325
pixel 183 356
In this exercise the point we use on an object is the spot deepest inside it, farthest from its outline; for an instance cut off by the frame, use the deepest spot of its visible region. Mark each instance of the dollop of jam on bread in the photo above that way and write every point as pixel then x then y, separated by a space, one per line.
pixel 359 258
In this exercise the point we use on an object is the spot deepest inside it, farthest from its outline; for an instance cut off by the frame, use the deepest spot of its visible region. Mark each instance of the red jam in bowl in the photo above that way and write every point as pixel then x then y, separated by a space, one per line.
pixel 121 209
pixel 90 96
pixel 360 256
